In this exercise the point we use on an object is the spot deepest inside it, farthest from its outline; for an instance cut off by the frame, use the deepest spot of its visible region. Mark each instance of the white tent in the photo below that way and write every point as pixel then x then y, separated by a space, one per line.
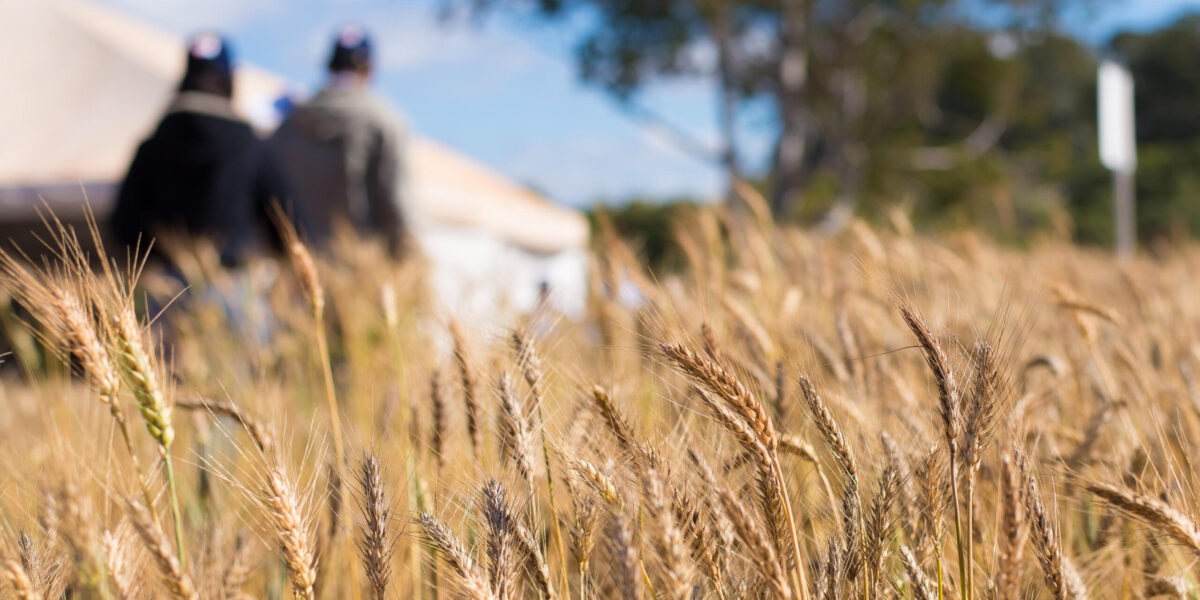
pixel 85 84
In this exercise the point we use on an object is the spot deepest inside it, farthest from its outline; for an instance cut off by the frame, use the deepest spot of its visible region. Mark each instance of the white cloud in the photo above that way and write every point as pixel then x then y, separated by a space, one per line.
pixel 412 37
pixel 664 140
pixel 581 171
pixel 410 40
pixel 184 16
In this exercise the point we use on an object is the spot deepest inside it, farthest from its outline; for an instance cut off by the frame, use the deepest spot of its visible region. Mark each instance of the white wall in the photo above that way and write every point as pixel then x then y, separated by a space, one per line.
pixel 480 278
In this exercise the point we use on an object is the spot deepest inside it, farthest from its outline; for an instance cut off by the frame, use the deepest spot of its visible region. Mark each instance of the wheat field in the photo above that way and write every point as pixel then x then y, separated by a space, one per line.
pixel 876 414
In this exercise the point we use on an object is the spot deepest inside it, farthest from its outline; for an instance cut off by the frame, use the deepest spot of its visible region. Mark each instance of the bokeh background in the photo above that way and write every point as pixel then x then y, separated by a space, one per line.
pixel 960 112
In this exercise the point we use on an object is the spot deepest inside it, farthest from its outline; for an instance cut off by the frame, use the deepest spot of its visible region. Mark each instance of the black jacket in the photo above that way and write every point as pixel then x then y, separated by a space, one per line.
pixel 203 172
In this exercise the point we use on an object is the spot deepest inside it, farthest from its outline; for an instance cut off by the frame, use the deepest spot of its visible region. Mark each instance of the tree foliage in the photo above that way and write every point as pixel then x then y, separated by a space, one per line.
pixel 923 103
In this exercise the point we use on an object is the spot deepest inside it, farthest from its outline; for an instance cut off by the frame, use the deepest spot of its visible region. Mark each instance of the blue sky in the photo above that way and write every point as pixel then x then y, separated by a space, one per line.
pixel 506 93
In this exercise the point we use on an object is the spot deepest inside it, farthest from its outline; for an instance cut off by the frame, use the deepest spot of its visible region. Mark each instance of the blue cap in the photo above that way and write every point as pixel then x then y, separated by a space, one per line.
pixel 209 51
pixel 351 50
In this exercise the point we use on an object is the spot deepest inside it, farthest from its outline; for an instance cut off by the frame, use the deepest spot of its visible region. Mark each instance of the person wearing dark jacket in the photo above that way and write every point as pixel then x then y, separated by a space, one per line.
pixel 203 172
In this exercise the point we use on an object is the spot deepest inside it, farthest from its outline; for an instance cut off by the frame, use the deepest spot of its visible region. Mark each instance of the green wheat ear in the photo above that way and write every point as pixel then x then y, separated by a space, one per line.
pixel 139 375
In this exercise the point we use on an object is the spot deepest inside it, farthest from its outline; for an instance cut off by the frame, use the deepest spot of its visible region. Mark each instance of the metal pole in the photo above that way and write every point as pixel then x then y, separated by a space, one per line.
pixel 1125 221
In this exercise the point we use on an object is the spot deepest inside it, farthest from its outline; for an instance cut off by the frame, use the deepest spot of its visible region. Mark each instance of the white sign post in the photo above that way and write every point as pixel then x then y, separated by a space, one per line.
pixel 1118 147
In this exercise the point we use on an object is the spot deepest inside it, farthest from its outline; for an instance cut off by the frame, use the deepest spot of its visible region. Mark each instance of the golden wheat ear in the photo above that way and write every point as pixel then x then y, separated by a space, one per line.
pixel 537 559
pixel 675 568
pixel 238 570
pixel 1160 516
pixel 473 582
pixel 174 578
pixel 466 377
pixel 259 433
pixel 922 587
pixel 292 528
pixel 1013 530
pixel 1059 573
pixel 375 542
pixel 19 582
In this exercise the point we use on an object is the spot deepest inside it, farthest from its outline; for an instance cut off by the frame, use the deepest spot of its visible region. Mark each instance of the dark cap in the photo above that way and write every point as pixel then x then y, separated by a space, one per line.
pixel 351 50
pixel 209 65
pixel 209 51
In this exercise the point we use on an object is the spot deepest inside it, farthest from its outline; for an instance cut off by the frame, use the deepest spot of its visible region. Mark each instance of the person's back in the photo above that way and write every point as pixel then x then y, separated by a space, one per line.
pixel 203 171
pixel 344 151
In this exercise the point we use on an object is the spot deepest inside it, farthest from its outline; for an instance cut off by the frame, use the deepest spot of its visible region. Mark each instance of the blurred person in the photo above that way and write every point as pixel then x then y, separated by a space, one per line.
pixel 204 178
pixel 345 151
pixel 541 320
pixel 203 171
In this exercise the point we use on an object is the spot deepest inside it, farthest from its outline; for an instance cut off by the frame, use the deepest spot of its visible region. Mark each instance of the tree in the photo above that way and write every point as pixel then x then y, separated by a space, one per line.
pixel 874 100
pixel 1165 64
pixel 1166 67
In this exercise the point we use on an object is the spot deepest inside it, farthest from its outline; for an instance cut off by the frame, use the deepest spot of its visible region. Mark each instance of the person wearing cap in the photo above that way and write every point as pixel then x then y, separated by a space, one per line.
pixel 203 172
pixel 344 151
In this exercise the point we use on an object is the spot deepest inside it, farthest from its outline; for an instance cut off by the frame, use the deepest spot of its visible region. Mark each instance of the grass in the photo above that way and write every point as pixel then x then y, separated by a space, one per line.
pixel 872 415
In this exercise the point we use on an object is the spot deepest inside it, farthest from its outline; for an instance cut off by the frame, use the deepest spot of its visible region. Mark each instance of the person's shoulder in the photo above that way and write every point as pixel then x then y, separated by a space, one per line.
pixel 223 124
pixel 207 109
pixel 379 110
pixel 360 106
pixel 300 109
pixel 148 149
pixel 168 123
pixel 171 127
pixel 232 124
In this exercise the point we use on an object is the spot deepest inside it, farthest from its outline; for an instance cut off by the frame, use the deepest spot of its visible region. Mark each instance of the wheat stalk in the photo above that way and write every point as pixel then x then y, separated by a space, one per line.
pixel 583 537
pixel 260 434
pixel 305 268
pixel 626 561
pixel 597 480
pixel 437 404
pixel 922 587
pixel 71 332
pixel 237 572
pixel 177 581
pixel 28 555
pixel 292 530
pixel 950 413
pixel 703 547
pixel 829 429
pixel 1151 511
pixel 741 413
pixel 725 386
pixel 668 540
pixel 983 405
pixel 1013 530
pixel 880 527
pixel 116 562
pixel 467 380
pixel 375 544
pixel 616 421
pixel 530 364
pixel 18 580
pixel 501 539
pixel 516 440
pixel 474 583
pixel 1059 573
pixel 141 376
pixel 541 571
pixel 757 542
